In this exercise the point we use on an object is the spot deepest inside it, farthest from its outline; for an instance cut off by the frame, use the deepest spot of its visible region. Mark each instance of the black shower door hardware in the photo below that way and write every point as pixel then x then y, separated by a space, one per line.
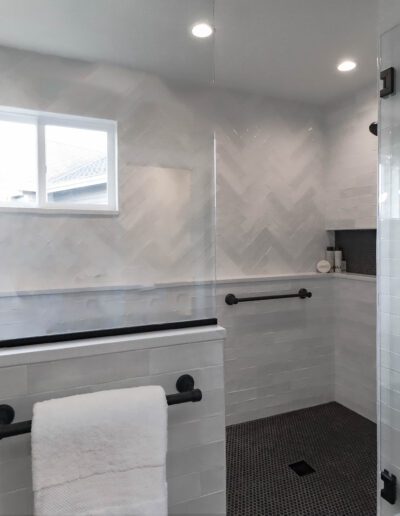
pixel 231 299
pixel 388 77
pixel 373 128
pixel 184 386
pixel 388 492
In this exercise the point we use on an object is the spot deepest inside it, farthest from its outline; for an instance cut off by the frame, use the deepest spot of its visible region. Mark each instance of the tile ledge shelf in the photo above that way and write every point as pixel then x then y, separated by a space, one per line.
pixel 355 277
pixel 104 345
pixel 346 227
pixel 274 277
pixel 197 283
pixel 298 276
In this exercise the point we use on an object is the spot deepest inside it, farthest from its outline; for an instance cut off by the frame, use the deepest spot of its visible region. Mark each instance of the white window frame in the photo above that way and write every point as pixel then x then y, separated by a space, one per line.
pixel 40 119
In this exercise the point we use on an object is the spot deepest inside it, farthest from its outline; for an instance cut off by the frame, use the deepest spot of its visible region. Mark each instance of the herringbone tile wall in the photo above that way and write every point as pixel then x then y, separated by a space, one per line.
pixel 270 181
pixel 270 178
pixel 165 229
pixel 272 174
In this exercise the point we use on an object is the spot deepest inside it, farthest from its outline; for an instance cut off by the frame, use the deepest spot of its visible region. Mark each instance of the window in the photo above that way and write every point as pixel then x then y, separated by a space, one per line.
pixel 53 162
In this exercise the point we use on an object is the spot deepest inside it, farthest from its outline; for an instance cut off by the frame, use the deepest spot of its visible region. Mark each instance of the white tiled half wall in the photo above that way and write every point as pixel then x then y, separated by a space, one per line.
pixel 196 431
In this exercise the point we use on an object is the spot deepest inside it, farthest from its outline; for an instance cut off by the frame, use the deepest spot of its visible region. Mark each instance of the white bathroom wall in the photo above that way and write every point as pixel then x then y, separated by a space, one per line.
pixel 32 314
pixel 162 218
pixel 278 171
pixel 288 354
pixel 270 157
pixel 279 354
pixel 196 431
pixel 270 174
pixel 351 161
pixel 354 314
pixel 270 209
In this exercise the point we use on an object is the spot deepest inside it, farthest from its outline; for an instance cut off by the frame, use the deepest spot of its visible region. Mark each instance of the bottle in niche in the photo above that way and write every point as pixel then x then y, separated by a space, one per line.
pixel 330 257
pixel 344 264
pixel 338 260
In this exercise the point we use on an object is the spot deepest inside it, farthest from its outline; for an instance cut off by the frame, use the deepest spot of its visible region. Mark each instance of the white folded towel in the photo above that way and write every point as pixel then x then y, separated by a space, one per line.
pixel 101 454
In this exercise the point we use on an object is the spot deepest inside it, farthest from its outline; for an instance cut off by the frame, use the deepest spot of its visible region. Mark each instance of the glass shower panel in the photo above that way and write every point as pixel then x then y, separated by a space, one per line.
pixel 107 201
pixel 389 282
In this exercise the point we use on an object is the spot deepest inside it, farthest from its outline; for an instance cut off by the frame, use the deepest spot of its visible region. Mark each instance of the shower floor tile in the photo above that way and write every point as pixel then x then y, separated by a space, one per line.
pixel 337 443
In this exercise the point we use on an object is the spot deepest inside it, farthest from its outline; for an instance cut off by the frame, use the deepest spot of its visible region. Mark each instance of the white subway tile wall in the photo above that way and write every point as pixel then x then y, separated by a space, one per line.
pixel 279 354
pixel 355 346
pixel 288 354
pixel 196 431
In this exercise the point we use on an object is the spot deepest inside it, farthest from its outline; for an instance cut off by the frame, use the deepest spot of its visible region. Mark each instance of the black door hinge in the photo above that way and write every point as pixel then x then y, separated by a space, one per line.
pixel 388 77
pixel 388 492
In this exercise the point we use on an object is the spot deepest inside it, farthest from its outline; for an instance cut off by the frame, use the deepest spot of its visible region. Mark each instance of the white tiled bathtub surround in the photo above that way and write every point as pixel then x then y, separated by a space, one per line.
pixel 196 431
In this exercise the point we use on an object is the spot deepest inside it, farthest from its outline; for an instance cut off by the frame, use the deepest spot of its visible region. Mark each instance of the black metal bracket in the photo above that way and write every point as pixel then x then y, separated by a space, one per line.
pixel 185 383
pixel 184 386
pixel 389 491
pixel 373 128
pixel 231 299
pixel 7 414
pixel 388 77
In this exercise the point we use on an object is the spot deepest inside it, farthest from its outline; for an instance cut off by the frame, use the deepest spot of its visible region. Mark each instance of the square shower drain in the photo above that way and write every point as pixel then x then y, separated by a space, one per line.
pixel 302 468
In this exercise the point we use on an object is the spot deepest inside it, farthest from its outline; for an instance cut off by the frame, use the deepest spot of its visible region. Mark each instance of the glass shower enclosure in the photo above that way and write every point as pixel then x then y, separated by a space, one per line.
pixel 389 277
pixel 107 180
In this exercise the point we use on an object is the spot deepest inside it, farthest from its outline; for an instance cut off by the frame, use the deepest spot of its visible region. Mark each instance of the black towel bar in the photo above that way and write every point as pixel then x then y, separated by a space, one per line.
pixel 184 386
pixel 231 299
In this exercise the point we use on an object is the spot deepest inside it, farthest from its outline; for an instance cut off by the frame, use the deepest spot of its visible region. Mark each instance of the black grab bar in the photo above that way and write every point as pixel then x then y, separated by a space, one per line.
pixel 185 394
pixel 231 299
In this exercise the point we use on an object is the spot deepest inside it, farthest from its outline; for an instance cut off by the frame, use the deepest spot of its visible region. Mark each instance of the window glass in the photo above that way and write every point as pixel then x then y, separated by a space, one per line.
pixel 76 165
pixel 51 161
pixel 18 162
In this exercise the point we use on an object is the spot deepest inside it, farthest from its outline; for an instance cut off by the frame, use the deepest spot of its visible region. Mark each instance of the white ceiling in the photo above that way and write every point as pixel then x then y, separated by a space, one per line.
pixel 283 48
pixel 290 48
pixel 149 35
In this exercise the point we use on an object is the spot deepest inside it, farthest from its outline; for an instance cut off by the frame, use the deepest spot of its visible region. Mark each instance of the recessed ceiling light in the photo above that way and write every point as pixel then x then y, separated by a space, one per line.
pixel 347 66
pixel 202 30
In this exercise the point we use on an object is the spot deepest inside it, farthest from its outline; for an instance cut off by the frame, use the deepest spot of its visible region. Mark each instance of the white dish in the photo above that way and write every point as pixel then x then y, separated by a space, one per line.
pixel 323 266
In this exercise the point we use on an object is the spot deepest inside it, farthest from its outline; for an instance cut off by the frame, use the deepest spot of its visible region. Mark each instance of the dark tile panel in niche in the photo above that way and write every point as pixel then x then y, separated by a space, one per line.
pixel 338 444
pixel 359 250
